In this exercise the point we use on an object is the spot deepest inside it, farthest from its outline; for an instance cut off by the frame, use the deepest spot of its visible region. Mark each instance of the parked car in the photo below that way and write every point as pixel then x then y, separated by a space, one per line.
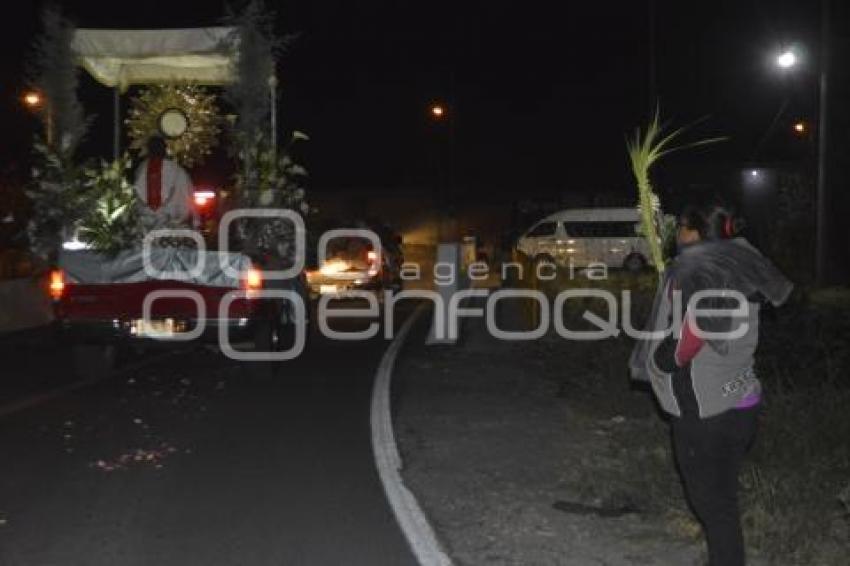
pixel 587 235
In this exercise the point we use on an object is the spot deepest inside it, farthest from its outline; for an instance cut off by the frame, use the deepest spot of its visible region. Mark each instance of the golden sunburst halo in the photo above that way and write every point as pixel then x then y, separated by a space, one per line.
pixel 196 104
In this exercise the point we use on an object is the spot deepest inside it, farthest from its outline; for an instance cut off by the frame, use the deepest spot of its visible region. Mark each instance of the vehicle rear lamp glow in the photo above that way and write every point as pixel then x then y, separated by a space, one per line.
pixel 253 279
pixel 372 257
pixel 57 284
pixel 333 267
pixel 204 197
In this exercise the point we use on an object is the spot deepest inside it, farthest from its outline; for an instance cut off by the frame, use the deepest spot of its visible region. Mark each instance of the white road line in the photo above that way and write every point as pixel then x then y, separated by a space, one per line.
pixel 412 521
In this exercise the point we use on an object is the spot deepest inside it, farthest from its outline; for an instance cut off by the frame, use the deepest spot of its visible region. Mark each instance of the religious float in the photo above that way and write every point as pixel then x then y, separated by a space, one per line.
pixel 137 264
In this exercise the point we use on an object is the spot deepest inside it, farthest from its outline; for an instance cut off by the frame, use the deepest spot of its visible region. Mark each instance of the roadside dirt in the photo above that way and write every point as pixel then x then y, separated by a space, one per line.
pixel 539 453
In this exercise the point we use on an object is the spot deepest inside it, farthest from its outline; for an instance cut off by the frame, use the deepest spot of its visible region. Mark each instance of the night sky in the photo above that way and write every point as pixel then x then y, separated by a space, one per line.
pixel 540 97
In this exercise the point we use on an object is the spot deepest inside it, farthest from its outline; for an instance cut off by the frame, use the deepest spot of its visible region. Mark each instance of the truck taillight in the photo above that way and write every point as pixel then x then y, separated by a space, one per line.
pixel 57 284
pixel 203 197
pixel 252 280
pixel 372 258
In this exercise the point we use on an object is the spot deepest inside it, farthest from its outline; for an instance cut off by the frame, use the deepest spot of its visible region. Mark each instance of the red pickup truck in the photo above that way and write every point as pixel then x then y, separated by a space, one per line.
pixel 100 305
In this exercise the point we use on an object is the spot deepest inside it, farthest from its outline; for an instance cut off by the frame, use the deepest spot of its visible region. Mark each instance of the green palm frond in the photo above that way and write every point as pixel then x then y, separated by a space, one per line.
pixel 645 149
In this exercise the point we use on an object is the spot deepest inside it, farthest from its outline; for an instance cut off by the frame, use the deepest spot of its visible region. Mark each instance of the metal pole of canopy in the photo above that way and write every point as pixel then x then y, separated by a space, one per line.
pixel 48 123
pixel 273 102
pixel 116 123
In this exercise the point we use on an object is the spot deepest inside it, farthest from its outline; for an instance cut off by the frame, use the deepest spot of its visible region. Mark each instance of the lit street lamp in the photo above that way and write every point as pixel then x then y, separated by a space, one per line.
pixel 36 102
pixel 786 59
pixel 32 99
pixel 443 127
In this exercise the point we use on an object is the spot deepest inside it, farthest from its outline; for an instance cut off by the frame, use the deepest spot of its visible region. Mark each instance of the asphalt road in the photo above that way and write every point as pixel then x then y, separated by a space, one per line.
pixel 189 460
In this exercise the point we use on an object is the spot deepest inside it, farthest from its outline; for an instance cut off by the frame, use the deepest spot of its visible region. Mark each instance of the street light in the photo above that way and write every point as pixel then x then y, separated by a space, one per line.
pixel 786 59
pixel 32 99
pixel 37 103
pixel 444 133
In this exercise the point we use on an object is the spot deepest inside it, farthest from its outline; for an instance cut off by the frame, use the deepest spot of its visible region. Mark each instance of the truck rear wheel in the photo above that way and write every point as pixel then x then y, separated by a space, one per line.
pixel 93 361
pixel 267 338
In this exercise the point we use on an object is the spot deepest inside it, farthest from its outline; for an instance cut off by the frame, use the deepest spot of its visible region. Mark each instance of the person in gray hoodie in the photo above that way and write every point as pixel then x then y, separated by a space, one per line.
pixel 700 364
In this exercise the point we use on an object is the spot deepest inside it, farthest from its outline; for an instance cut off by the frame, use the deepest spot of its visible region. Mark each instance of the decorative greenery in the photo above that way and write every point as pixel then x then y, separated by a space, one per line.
pixel 97 204
pixel 645 149
pixel 59 195
pixel 268 176
pixel 57 190
pixel 275 181
pixel 112 223
pixel 196 103
pixel 52 71
pixel 257 46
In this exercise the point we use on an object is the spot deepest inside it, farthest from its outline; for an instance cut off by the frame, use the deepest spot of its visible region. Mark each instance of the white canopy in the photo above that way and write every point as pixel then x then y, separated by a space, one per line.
pixel 120 58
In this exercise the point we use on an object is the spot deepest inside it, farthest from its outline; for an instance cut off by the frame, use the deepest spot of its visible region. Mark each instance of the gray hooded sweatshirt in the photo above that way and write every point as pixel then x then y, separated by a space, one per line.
pixel 722 370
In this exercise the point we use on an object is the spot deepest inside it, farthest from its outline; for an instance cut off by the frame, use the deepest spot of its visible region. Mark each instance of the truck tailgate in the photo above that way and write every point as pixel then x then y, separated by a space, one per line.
pixel 126 300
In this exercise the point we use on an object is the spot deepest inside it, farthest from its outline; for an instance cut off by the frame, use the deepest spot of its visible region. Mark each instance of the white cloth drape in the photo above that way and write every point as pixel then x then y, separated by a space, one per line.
pixel 120 58
pixel 176 191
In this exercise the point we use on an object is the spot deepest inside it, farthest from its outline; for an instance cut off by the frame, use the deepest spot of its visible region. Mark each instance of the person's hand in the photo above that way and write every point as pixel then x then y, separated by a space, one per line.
pixel 665 355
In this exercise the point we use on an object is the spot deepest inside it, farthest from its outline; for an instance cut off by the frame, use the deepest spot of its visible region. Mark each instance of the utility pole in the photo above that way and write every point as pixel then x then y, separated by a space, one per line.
pixel 116 122
pixel 822 268
pixel 653 80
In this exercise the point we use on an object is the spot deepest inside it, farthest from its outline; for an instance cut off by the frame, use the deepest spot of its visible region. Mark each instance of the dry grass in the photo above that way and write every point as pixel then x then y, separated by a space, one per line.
pixel 796 482
pixel 800 466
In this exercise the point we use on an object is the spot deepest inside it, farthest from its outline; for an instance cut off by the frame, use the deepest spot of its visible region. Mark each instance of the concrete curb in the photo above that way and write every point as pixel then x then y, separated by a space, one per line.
pixel 412 521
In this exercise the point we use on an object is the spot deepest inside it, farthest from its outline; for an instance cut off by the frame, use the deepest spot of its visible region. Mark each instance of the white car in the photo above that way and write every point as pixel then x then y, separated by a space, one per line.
pixel 582 236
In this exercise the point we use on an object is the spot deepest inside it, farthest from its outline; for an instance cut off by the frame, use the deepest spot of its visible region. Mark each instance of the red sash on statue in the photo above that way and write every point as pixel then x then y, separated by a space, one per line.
pixel 154 178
